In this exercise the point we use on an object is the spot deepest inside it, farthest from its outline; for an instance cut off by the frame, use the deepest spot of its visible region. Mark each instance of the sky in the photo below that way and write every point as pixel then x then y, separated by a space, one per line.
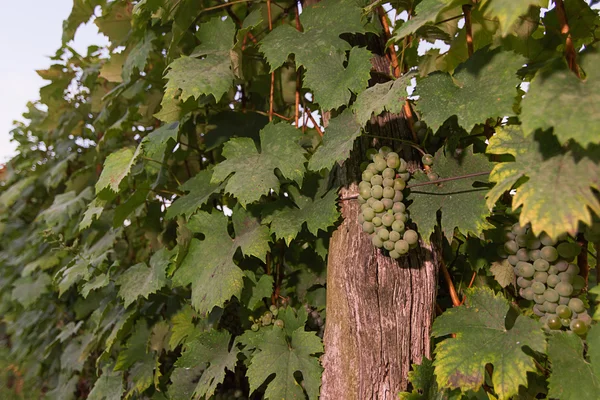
pixel 30 33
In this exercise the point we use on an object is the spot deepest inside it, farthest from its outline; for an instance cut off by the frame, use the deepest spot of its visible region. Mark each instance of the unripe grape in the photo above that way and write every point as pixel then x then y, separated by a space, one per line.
pixel 546 239
pixel 394 235
pixel 522 255
pixel 541 265
pixel 550 307
pixel 561 265
pixel 418 125
pixel 398 226
pixel 377 206
pixel 394 254
pixel 552 280
pixel 364 184
pixel 402 169
pixel 533 244
pixel 551 295
pixel 401 217
pixel 376 221
pixel 512 259
pixel 525 269
pixel 387 204
pixel 565 277
pixel 576 305
pixel 389 173
pixel 399 184
pixel 370 153
pixel 537 310
pixel 363 166
pixel 377 242
pixel 411 236
pixel 541 276
pixel 523 282
pixel 388 182
pixel 368 227
pixel 572 269
pixel 398 208
pixel 521 240
pixel 388 245
pixel 370 201
pixel 387 219
pixel 527 293
pixel 385 150
pixel 254 327
pixel 549 253
pixel 377 191
pixel 534 255
pixel 383 234
pixel 398 196
pixel 371 167
pixel 427 159
pixel 553 270
pixel 432 176
pixel 553 322
pixel 368 214
pixel 564 289
pixel 518 229
pixel 568 250
pixel 563 311
pixel 367 176
pixel 376 180
pixel 389 193
pixel 392 154
pixel 279 323
pixel 393 162
pixel 538 287
pixel 380 164
pixel 267 318
pixel 578 283
pixel 564 300
pixel 401 246
pixel 579 327
pixel 361 200
pixel 585 317
pixel 511 247
pixel 565 322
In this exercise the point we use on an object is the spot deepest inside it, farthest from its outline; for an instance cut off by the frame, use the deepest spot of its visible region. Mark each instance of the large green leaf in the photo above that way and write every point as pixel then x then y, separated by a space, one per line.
pixel 253 172
pixel 389 96
pixel 481 88
pixel 212 257
pixel 27 290
pixel 211 349
pixel 557 98
pixel 321 51
pixel 509 11
pixel 81 13
pixel 426 12
pixel 137 58
pixel 548 169
pixel 282 356
pixel 461 202
pixel 423 380
pixel 116 168
pixel 108 387
pixel 200 190
pixel 484 336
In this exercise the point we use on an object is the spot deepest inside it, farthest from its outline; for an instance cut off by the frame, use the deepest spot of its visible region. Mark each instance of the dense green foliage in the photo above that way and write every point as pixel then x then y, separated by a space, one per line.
pixel 161 238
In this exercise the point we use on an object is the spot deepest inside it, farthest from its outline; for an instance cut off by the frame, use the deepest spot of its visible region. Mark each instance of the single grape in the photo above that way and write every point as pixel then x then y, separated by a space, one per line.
pixel 578 283
pixel 553 270
pixel 541 265
pixel 537 310
pixel 533 244
pixel 394 254
pixel 402 167
pixel 562 265
pixel 540 276
pixel 564 300
pixel 525 269
pixel 401 217
pixel 376 180
pixel 377 191
pixel 418 125
pixel 579 327
pixel 551 295
pixel 549 253
pixel 553 322
pixel 534 254
pixel 279 323
pixel 370 153
pixel 371 167
pixel 576 305
pixel 572 269
pixel 380 164
pixel 363 166
pixel 564 289
pixel 512 259
pixel 267 318
pixel 585 317
pixel 367 176
pixel 511 247
pixel 392 154
pixel 387 219
pixel 401 246
pixel 385 150
pixel 411 236
pixel 546 239
pixel 427 159
pixel 522 240
pixel 389 173
pixel 399 184
pixel 388 182
pixel 432 176
pixel 255 327
pixel 363 184
pixel 368 227
pixel 523 282
pixel 405 176
pixel 377 206
pixel 370 201
pixel 538 298
pixel 377 242
pixel 508 235
pixel 383 234
pixel 376 221
pixel 388 245
pixel 393 161
pixel 527 293
pixel 550 307
pixel 522 255
pixel 538 287
pixel 368 214
pixel 568 250
pixel 552 280
pixel 387 204
pixel 394 235
pixel 398 196
pixel 398 207
pixel 361 200
pixel 565 322
pixel 563 311
pixel 398 226
pixel 389 193
pixel 565 277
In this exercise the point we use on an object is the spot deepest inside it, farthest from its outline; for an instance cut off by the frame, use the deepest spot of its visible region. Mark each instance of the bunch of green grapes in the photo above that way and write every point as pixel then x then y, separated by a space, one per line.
pixel 548 275
pixel 384 215
pixel 268 318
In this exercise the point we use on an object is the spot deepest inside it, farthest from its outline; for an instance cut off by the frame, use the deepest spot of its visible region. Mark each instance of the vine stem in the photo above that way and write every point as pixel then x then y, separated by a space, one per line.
pixel 582 258
pixel 570 53
pixel 468 28
pixel 272 89
pixel 453 294
pixel 317 127
pixel 407 142
pixel 298 83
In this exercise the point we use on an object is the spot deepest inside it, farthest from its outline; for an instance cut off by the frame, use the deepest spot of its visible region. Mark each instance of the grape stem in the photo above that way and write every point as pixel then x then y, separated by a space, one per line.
pixel 408 142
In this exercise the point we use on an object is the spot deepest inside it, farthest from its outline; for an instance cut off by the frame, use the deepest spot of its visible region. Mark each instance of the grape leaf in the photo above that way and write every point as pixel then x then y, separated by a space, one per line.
pixel 541 159
pixel 482 87
pixel 182 326
pixel 184 382
pixel 252 172
pixel 389 96
pixel 98 282
pixel 319 211
pixel 509 11
pixel 276 354
pixel 461 201
pixel 138 56
pixel 337 143
pixel 572 377
pixel 81 13
pixel 115 22
pixel 108 387
pixel 254 293
pixel 211 74
pixel 155 144
pixel 93 211
pixel 136 348
pixel 200 190
pixel 549 102
pixel 28 290
pixel 141 374
pixel 211 348
pixel 483 323
pixel 65 207
pixel 503 273
pixel 424 383
pixel 116 167
pixel 213 257
pixel 320 50
pixel 425 12
pixel 139 280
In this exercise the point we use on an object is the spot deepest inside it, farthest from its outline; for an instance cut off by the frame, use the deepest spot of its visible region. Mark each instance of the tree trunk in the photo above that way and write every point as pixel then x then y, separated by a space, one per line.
pixel 379 310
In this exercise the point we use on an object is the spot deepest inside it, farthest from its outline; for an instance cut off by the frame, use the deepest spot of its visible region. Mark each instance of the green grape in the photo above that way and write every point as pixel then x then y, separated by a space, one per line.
pixel 432 176
pixel 522 255
pixel 546 239
pixel 411 237
pixel 388 182
pixel 401 217
pixel 540 276
pixel 371 167
pixel 368 227
pixel 533 244
pixel 572 269
pixel 552 280
pixel 401 246
pixel 565 277
pixel 267 318
pixel 363 184
pixel 370 153
pixel 418 125
pixel 405 176
pixel 576 305
pixel 398 207
pixel 255 327
pixel 389 193
pixel 511 247
pixel 527 293
pixel 523 282
pixel 383 234
pixel 562 265
pixel 376 221
pixel 549 253
pixel 393 161
pixel 534 254
pixel 394 235
pixel 367 176
pixel 538 298
pixel 427 159
pixel 537 310
pixel 380 164
pixel 385 150
pixel 564 289
pixel 579 327
pixel 377 191
pixel 565 322
pixel 399 184
pixel 387 219
pixel 521 240
pixel 377 242
pixel 393 154
pixel 553 270
pixel 377 206
pixel 518 229
pixel 387 203
pixel 578 283
pixel 388 245
pixel 368 214
pixel 402 167
pixel 585 317
pixel 370 201
pixel 361 200
pixel 541 265
pixel 394 254
pixel 389 173
pixel 512 259
pixel 398 226
pixel 563 311
pixel 398 196
pixel 538 287
pixel 363 166
pixel 568 250
pixel 564 300
pixel 553 322
pixel 525 269
pixel 376 180
pixel 549 306
pixel 551 295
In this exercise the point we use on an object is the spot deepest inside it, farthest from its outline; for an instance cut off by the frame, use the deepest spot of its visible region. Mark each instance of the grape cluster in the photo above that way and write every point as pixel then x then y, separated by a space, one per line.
pixel 384 214
pixel 315 321
pixel 268 318
pixel 547 276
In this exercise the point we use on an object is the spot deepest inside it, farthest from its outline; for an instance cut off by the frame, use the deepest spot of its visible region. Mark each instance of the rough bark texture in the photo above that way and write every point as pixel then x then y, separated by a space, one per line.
pixel 379 310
